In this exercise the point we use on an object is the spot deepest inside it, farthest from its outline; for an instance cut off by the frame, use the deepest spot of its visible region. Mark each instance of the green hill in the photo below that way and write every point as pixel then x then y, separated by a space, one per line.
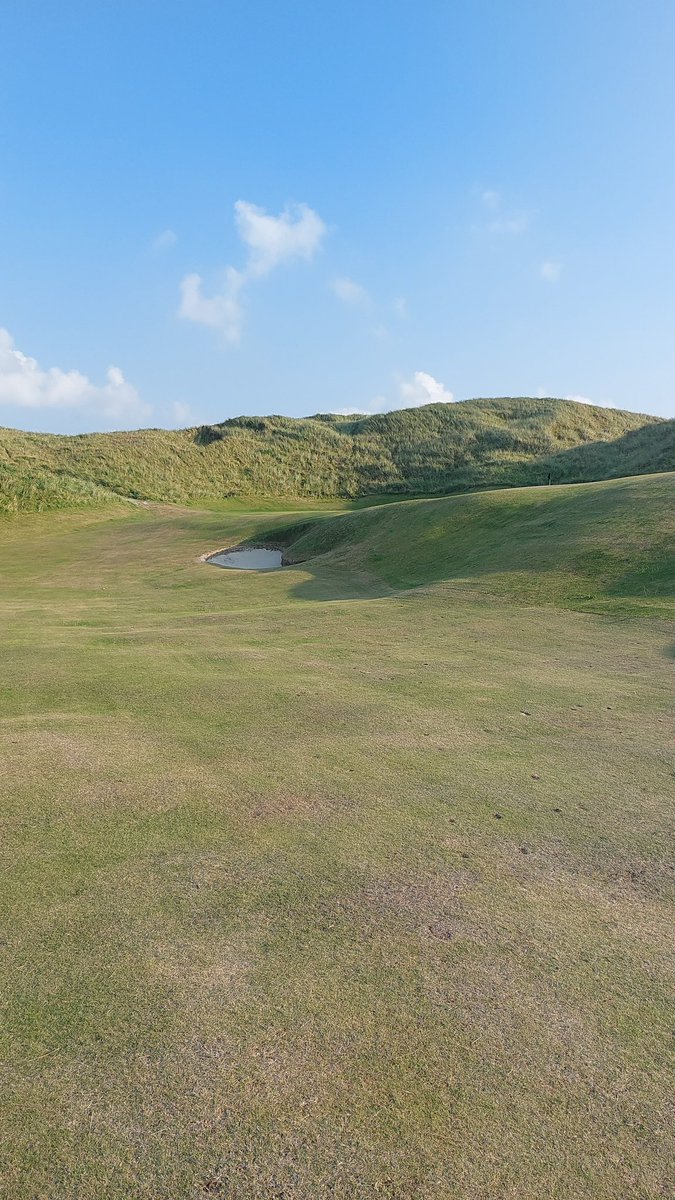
pixel 604 547
pixel 436 449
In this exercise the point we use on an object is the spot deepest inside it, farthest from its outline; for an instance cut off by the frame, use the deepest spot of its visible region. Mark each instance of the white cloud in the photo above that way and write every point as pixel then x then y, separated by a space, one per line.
pixel 296 233
pixel 412 393
pixel 424 389
pixel 400 306
pixel 550 270
pixel 378 405
pixel 163 241
pixel 221 311
pixel 25 384
pixel 545 395
pixel 595 403
pixel 350 292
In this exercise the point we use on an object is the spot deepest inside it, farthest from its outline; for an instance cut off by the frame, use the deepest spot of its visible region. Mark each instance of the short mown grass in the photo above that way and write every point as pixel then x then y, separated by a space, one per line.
pixel 605 548
pixel 322 883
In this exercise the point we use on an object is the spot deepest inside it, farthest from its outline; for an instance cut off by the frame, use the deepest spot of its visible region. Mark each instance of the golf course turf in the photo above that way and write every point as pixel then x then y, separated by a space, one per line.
pixel 351 879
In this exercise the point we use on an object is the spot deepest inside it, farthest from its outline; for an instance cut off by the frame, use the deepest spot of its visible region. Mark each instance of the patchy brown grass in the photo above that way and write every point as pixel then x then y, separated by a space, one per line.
pixel 348 899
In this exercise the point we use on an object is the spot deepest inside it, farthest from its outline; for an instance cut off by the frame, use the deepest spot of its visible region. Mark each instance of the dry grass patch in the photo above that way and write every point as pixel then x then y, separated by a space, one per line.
pixel 269 936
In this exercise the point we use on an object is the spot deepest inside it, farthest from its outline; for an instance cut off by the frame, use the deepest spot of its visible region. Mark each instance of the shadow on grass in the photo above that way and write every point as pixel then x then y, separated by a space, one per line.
pixel 324 581
pixel 605 550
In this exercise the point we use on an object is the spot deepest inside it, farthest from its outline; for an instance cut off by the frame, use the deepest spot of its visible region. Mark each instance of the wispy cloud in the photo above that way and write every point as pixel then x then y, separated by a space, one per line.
pixel 512 224
pixel 164 241
pixel 181 413
pixel 422 388
pixel 499 218
pixel 550 270
pixel 491 199
pixel 296 233
pixel 25 384
pixel 356 296
pixel 350 292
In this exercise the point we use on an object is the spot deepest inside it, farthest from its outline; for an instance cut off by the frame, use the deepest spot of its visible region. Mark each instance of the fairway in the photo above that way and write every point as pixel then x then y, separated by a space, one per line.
pixel 351 879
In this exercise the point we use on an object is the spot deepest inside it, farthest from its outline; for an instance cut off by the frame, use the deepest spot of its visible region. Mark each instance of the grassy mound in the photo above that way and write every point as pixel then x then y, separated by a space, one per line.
pixel 596 545
pixel 438 448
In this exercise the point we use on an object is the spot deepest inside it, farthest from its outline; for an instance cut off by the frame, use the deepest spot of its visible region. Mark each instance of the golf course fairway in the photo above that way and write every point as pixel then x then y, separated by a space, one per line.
pixel 351 879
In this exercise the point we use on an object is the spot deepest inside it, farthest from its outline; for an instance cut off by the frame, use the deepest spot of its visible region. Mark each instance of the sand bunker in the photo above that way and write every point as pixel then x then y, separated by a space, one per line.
pixel 247 560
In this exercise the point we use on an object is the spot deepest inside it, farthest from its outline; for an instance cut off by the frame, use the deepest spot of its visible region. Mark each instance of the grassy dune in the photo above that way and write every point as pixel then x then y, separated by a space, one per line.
pixel 322 884
pixel 35 489
pixel 438 448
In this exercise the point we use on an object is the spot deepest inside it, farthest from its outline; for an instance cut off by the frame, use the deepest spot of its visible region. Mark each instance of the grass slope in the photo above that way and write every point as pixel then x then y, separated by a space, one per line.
pixel 323 889
pixel 437 448
pixel 606 546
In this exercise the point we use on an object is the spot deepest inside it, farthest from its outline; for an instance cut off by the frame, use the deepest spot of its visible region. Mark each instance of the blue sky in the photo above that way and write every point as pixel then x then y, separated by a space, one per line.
pixel 209 209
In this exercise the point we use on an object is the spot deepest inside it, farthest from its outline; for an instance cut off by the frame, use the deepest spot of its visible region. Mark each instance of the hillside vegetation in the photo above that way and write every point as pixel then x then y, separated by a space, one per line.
pixel 435 449
pixel 37 490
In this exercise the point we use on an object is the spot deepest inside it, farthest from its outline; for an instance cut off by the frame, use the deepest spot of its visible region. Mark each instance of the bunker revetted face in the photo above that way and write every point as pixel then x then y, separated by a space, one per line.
pixel 247 560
